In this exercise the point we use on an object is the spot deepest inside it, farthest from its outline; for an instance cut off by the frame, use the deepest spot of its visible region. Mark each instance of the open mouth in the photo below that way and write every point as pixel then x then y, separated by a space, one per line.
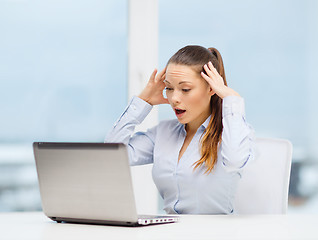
pixel 179 111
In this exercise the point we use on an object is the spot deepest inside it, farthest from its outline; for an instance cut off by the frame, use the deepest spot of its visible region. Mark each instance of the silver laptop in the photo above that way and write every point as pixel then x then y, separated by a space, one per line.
pixel 88 183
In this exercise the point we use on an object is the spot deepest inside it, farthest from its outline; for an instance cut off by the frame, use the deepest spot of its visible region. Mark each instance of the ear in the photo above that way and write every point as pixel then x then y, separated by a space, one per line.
pixel 211 92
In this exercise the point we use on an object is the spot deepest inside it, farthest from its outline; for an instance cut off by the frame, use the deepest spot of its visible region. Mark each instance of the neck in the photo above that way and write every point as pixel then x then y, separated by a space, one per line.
pixel 193 126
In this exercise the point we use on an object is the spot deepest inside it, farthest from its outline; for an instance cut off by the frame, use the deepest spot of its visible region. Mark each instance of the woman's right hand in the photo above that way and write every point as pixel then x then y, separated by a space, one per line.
pixel 153 92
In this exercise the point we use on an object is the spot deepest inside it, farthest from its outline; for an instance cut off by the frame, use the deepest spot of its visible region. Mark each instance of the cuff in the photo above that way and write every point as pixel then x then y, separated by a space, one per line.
pixel 233 105
pixel 138 109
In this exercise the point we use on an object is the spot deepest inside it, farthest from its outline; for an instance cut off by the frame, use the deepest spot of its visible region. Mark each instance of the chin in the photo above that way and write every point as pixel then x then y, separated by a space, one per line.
pixel 182 121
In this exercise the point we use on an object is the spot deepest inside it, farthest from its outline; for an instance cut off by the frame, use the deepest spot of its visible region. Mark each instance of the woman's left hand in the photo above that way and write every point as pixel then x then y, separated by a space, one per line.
pixel 216 82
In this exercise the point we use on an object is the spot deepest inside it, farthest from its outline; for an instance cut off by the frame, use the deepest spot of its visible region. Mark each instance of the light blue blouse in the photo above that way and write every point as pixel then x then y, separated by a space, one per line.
pixel 184 190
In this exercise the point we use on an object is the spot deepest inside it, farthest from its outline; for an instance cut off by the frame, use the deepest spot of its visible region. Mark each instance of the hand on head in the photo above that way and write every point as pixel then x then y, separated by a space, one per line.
pixel 153 92
pixel 216 82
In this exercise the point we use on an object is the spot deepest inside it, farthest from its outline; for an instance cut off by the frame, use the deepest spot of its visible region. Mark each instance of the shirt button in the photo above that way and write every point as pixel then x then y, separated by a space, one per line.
pixel 133 107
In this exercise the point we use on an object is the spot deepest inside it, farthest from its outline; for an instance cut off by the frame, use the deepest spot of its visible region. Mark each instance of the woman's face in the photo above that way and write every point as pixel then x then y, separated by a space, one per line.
pixel 188 94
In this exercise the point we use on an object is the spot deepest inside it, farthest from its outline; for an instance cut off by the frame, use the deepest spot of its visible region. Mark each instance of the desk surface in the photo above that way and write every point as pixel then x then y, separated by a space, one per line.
pixel 36 226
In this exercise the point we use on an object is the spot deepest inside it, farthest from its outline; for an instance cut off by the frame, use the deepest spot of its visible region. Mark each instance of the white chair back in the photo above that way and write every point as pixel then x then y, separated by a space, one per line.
pixel 263 188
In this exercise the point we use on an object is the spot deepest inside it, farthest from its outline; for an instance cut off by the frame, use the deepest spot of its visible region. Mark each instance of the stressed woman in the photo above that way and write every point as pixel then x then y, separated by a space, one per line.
pixel 197 158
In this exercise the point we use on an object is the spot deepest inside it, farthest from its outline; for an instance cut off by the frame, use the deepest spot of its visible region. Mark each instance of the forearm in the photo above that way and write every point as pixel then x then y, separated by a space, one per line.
pixel 141 144
pixel 238 135
pixel 133 115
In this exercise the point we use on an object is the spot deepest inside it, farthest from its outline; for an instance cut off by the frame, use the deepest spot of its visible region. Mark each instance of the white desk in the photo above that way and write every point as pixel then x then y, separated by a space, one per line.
pixel 36 226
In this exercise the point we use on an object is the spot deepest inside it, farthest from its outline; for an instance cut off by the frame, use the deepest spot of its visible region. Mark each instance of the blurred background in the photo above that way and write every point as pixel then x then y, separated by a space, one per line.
pixel 64 76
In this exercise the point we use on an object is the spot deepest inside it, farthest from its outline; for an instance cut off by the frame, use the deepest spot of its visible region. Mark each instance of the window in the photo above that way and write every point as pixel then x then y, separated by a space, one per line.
pixel 59 63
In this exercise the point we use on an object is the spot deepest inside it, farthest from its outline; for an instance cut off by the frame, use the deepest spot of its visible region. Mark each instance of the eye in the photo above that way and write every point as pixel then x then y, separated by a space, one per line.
pixel 186 90
pixel 168 89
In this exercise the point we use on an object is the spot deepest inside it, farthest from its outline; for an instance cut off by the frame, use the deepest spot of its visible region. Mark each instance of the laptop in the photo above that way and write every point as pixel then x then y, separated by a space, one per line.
pixel 88 183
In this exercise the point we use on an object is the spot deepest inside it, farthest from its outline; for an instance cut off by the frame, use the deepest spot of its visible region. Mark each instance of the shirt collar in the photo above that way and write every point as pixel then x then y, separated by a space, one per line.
pixel 204 125
pixel 206 122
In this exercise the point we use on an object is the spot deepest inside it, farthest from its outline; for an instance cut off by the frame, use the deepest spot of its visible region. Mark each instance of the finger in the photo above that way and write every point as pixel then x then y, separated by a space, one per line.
pixel 161 74
pixel 212 68
pixel 219 78
pixel 209 81
pixel 163 77
pixel 161 85
pixel 153 75
pixel 207 78
pixel 208 70
pixel 164 69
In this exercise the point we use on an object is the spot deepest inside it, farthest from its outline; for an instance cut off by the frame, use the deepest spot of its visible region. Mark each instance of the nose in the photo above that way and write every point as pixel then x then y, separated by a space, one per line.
pixel 175 98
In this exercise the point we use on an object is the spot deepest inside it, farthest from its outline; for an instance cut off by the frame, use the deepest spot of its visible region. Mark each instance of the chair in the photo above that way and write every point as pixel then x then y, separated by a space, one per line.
pixel 263 188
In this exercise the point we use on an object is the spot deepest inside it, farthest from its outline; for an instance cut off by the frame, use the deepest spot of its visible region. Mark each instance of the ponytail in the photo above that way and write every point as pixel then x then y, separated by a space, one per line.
pixel 212 136
pixel 220 65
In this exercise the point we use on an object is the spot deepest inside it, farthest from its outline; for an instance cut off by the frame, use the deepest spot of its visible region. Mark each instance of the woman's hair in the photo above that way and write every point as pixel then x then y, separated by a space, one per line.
pixel 196 57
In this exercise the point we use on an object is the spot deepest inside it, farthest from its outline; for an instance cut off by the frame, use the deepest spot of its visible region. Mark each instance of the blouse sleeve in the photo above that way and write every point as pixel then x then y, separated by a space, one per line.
pixel 141 144
pixel 238 135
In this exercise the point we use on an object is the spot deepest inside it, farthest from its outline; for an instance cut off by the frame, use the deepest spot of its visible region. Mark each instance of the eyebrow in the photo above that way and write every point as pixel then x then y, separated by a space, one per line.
pixel 179 82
